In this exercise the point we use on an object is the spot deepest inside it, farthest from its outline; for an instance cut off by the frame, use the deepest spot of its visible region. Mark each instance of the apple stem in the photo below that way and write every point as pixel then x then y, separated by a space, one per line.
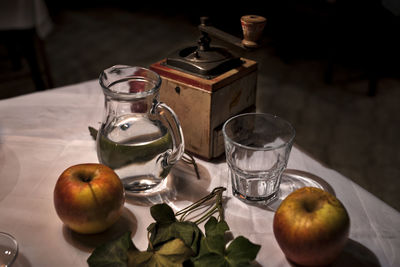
pixel 87 179
pixel 309 206
pixel 84 177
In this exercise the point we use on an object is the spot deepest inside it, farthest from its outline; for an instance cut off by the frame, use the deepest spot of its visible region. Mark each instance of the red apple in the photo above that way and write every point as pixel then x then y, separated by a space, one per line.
pixel 311 226
pixel 89 197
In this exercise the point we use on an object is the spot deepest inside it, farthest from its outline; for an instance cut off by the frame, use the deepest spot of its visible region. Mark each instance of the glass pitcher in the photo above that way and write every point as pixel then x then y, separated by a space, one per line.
pixel 140 138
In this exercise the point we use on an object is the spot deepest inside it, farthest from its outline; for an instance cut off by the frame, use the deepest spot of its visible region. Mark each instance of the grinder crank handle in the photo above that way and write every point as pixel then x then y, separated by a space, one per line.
pixel 252 26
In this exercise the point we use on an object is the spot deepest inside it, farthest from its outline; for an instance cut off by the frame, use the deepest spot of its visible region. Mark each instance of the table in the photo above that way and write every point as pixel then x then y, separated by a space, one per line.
pixel 42 134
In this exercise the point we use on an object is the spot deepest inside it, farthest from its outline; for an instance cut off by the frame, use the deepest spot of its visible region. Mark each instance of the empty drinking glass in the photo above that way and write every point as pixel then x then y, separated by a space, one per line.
pixel 257 148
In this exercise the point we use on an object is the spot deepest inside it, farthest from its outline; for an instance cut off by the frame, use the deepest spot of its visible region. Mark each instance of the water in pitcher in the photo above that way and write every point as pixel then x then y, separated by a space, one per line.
pixel 136 148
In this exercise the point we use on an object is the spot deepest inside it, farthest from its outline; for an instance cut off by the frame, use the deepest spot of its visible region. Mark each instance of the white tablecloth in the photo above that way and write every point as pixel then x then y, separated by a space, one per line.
pixel 44 133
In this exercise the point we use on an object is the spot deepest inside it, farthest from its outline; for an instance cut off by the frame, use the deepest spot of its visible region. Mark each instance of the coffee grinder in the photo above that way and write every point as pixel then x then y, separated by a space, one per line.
pixel 206 85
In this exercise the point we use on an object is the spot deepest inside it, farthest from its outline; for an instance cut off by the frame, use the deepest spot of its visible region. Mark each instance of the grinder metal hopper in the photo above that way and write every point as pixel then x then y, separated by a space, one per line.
pixel 204 60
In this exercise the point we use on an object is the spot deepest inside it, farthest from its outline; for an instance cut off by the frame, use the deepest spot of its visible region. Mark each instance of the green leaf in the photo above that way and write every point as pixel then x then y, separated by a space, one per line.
pixel 93 132
pixel 211 259
pixel 176 250
pixel 170 254
pixel 213 244
pixel 176 243
pixel 214 241
pixel 213 251
pixel 113 253
pixel 162 213
pixel 241 251
pixel 188 232
pixel 139 258
pixel 167 228
pixel 213 227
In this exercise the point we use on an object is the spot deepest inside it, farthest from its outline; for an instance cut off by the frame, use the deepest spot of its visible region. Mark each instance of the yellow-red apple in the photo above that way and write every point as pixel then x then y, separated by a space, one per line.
pixel 89 197
pixel 311 226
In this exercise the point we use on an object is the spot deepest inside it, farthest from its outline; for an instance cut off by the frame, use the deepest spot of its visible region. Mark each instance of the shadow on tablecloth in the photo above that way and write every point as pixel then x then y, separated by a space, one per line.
pixel 354 254
pixel 127 222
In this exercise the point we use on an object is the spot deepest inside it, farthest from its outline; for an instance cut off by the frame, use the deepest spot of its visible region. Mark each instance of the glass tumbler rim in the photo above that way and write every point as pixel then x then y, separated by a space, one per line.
pixel 129 95
pixel 14 242
pixel 286 143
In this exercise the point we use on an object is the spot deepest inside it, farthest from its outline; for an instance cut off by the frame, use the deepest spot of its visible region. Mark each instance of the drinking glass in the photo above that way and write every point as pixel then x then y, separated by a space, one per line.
pixel 257 148
pixel 8 249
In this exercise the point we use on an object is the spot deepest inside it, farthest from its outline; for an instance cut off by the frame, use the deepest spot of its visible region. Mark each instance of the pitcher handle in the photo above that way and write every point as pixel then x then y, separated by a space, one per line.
pixel 168 116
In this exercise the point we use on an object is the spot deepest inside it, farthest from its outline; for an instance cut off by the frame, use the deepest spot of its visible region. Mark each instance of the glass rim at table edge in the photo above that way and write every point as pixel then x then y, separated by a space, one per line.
pixel 286 143
pixel 14 240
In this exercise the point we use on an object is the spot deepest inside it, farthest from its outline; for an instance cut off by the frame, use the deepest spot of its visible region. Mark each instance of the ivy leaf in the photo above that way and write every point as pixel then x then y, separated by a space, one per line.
pixel 241 252
pixel 93 132
pixel 175 242
pixel 162 213
pixel 187 231
pixel 213 251
pixel 113 253
pixel 139 258
pixel 214 241
pixel 170 254
pixel 213 227
pixel 211 259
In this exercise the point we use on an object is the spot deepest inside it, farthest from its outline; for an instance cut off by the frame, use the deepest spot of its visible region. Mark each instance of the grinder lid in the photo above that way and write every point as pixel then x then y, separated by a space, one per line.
pixel 203 60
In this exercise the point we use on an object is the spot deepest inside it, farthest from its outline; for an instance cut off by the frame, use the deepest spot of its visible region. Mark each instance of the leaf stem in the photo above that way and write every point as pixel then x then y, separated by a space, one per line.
pixel 217 194
pixel 206 216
